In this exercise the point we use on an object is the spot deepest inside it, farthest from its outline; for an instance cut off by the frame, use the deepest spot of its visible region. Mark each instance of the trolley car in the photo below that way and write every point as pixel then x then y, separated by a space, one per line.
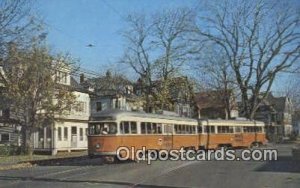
pixel 114 128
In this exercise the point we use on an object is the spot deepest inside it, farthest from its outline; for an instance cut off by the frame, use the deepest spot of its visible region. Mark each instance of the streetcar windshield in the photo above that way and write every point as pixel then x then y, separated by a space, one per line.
pixel 103 128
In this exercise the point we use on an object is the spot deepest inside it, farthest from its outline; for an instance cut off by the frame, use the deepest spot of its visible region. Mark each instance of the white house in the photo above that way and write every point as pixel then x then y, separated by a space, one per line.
pixel 69 131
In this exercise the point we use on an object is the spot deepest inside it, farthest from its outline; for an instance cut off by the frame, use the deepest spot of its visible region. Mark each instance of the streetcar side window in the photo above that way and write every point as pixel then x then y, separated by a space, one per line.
pixel 249 129
pixel 212 129
pixel 103 128
pixel 194 130
pixel 183 129
pixel 154 128
pixel 176 128
pixel 127 127
pixel 168 128
pixel 221 129
pixel 190 129
pixel 238 129
pixel 258 129
pixel 133 127
pixel 180 131
pixel 199 129
pixel 225 129
pixel 159 128
pixel 209 129
pixel 143 128
pixel 148 128
pixel 151 128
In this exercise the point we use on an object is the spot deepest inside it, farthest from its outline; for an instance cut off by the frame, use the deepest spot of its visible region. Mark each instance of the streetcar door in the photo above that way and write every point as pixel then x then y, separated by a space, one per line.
pixel 168 137
pixel 238 136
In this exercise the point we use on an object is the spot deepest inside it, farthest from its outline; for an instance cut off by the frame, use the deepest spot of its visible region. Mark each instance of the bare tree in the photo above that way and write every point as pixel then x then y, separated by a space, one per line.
pixel 138 50
pixel 215 73
pixel 157 47
pixel 17 24
pixel 260 40
pixel 173 37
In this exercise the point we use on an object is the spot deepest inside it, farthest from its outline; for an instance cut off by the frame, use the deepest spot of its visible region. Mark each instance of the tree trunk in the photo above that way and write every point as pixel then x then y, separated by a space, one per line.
pixel 27 145
pixel 226 113
pixel 24 137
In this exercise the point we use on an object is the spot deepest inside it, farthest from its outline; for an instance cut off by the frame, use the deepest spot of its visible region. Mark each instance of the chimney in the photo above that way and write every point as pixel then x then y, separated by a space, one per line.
pixel 81 78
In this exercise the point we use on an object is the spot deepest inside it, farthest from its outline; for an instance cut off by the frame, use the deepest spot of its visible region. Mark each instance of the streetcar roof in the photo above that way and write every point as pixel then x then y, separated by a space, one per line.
pixel 231 122
pixel 115 114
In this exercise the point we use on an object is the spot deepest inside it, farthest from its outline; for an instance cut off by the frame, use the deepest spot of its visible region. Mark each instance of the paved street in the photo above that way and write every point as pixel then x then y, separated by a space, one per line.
pixel 93 173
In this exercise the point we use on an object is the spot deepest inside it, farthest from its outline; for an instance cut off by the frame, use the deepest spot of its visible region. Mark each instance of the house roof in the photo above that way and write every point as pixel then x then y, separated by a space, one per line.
pixel 76 86
pixel 210 99
pixel 274 104
pixel 207 99
pixel 279 103
pixel 108 85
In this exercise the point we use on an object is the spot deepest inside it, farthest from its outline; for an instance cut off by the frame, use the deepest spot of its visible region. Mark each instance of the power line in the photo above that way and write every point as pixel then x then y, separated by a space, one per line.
pixel 112 8
pixel 65 33
pixel 81 70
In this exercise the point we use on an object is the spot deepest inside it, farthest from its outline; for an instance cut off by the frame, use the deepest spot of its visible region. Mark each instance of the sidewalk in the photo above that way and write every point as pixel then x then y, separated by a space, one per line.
pixel 25 161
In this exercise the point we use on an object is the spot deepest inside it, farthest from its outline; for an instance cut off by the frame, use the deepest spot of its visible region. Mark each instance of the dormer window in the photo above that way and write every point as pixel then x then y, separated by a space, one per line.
pixel 61 77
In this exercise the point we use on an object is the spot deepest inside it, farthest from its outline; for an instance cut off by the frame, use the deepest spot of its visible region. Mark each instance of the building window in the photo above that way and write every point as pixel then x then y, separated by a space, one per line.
pixel 98 106
pixel 65 77
pixel 4 137
pixel 80 107
pixel 62 77
pixel 74 130
pixel 65 133
pixel 81 134
pixel 117 104
pixel 5 113
pixel 59 135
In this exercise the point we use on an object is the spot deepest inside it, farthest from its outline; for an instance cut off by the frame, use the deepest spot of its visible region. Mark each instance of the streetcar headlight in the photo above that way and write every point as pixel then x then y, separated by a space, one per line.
pixel 97 146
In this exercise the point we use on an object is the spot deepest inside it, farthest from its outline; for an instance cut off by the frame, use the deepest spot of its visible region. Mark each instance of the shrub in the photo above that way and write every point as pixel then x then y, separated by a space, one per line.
pixel 9 150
